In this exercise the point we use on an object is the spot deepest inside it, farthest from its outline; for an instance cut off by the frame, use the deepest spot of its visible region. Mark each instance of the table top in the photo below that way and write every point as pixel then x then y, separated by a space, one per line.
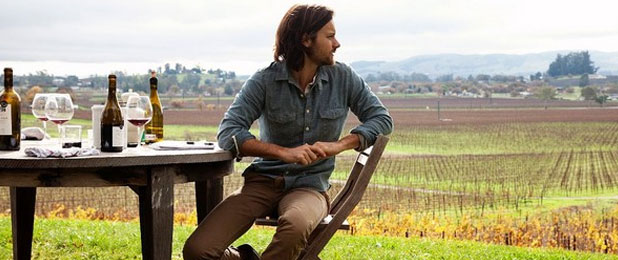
pixel 137 156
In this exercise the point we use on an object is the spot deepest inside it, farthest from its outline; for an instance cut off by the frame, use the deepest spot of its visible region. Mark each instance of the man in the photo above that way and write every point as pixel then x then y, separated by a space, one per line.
pixel 301 102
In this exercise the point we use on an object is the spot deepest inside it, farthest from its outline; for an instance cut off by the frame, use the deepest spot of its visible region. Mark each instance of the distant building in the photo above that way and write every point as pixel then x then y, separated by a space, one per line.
pixel 58 81
pixel 525 94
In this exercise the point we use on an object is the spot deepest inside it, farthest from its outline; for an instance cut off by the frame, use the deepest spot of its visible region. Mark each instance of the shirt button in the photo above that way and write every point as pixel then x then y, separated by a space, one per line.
pixel 302 96
pixel 306 128
pixel 307 111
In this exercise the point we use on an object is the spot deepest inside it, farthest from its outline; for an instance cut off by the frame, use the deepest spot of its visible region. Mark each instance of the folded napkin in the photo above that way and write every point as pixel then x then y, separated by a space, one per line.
pixel 45 152
pixel 33 133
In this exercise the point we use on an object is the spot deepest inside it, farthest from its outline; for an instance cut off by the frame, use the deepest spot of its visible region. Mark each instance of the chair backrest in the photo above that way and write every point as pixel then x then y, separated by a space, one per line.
pixel 347 198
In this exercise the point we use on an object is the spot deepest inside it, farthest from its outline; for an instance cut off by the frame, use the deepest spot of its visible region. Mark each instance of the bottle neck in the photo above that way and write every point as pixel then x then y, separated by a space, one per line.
pixel 111 94
pixel 8 82
pixel 153 87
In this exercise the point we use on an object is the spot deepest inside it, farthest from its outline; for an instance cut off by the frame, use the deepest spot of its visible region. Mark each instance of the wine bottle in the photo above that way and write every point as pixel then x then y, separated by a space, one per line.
pixel 154 128
pixel 10 114
pixel 112 123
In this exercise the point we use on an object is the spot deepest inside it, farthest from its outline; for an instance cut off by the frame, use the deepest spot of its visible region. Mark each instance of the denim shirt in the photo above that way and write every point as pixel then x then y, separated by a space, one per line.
pixel 290 118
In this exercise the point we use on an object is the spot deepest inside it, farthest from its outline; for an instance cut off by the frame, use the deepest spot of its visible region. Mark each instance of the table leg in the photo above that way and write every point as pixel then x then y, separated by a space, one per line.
pixel 22 219
pixel 207 195
pixel 156 213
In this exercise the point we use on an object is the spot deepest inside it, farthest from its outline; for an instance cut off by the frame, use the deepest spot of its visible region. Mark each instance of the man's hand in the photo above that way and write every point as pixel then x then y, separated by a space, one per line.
pixel 304 154
pixel 328 149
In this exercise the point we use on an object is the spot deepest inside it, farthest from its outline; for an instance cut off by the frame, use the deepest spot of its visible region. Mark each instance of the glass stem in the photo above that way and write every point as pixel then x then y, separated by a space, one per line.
pixel 44 129
pixel 61 133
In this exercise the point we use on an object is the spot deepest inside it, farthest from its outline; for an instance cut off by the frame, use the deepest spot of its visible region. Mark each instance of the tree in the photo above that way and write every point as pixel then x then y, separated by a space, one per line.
pixel 371 78
pixel 589 93
pixel 445 78
pixel 197 69
pixel 178 68
pixel 574 63
pixel 66 90
pixel 31 92
pixel 229 90
pixel 416 77
pixel 601 99
pixel 483 77
pixel 584 80
pixel 41 78
pixel 191 82
pixel 71 81
pixel 536 76
pixel 173 90
pixel 546 93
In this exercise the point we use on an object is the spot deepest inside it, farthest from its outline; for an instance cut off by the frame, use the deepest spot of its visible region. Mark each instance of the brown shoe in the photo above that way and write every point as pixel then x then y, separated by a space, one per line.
pixel 247 252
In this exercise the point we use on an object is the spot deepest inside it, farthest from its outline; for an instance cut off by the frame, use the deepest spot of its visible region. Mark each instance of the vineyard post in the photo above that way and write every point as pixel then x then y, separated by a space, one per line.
pixel 439 110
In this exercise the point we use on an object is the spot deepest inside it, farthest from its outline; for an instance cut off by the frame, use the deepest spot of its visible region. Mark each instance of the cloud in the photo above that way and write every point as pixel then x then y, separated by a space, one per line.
pixel 217 32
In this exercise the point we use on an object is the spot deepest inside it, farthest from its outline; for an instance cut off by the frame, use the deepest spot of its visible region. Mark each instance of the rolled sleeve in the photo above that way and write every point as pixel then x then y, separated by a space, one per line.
pixel 246 108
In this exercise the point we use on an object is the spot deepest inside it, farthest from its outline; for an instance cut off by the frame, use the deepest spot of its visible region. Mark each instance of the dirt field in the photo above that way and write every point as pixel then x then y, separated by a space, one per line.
pixel 414 112
pixel 429 118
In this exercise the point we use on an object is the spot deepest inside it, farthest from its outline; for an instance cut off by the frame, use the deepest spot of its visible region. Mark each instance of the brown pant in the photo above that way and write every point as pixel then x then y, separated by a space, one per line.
pixel 300 211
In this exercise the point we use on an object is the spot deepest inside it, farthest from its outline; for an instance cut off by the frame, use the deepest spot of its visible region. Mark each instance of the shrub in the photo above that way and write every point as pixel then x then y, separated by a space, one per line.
pixel 177 103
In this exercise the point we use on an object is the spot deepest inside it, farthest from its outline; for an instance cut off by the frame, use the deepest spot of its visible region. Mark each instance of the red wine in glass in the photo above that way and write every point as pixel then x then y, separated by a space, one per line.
pixel 139 121
pixel 59 121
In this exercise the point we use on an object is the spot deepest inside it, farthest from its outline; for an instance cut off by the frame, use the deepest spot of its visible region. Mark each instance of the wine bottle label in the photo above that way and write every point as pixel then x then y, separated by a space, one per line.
pixel 118 136
pixel 6 124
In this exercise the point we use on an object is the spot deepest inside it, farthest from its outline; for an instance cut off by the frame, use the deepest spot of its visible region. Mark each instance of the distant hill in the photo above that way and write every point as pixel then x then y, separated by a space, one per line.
pixel 492 64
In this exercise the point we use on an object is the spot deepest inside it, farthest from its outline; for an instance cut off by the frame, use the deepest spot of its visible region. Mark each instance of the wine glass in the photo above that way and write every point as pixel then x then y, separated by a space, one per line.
pixel 139 112
pixel 59 109
pixel 38 109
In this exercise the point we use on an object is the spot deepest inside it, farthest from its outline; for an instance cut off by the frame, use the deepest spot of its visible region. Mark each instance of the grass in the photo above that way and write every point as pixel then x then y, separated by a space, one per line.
pixel 447 140
pixel 513 160
pixel 81 239
pixel 172 132
pixel 506 138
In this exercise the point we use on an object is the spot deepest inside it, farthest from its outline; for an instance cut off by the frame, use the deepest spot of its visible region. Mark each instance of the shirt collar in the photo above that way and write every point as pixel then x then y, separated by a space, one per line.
pixel 283 74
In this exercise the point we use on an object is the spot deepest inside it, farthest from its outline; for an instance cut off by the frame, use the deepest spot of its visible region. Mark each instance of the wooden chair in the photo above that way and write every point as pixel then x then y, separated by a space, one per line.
pixel 345 201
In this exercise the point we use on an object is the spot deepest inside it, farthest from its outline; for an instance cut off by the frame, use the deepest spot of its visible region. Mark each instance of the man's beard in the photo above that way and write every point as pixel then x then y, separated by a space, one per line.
pixel 326 59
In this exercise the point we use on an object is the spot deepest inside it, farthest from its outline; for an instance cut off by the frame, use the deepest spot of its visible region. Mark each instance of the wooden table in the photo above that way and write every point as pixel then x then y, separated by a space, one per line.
pixel 150 173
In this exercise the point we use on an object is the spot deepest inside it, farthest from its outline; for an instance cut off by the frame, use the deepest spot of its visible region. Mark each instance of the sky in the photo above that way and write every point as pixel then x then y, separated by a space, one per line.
pixel 86 37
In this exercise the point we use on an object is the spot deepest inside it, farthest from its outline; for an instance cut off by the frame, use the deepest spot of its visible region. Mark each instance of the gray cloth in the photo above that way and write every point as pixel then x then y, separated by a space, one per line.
pixel 290 118
pixel 33 133
pixel 45 152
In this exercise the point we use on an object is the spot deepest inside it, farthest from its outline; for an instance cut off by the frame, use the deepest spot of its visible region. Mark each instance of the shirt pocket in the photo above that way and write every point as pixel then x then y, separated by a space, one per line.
pixel 331 123
pixel 281 116
pixel 281 129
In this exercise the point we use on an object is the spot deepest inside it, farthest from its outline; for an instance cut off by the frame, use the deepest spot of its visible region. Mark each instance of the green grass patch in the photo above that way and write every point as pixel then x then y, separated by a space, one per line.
pixel 505 138
pixel 171 132
pixel 81 239
pixel 28 120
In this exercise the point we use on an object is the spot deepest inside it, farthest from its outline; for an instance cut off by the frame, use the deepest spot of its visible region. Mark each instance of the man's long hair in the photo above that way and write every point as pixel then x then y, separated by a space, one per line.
pixel 298 22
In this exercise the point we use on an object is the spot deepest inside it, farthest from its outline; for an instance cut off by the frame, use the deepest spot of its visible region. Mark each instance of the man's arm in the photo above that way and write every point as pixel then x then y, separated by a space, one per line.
pixel 351 141
pixel 304 154
pixel 369 110
pixel 246 108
